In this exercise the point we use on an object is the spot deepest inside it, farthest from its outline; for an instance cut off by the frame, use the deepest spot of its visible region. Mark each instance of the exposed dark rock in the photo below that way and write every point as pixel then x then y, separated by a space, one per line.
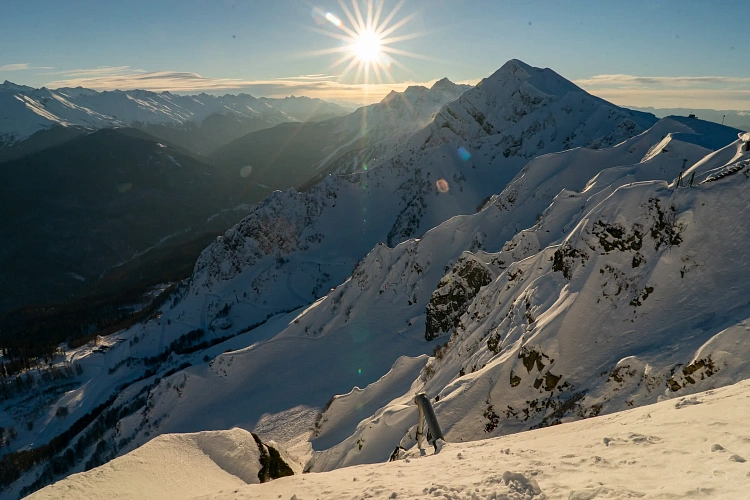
pixel 453 295
pixel 273 466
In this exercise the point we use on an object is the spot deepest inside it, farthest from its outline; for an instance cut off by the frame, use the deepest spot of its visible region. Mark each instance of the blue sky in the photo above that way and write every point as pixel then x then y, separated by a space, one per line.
pixel 658 53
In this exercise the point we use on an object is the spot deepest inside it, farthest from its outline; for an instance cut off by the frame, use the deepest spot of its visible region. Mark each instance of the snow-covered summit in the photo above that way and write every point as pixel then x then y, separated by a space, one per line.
pixel 516 75
pixel 444 84
pixel 527 109
pixel 9 86
pixel 398 199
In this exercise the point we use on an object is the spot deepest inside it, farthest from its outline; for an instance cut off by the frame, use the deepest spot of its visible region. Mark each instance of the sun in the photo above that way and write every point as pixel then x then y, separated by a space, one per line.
pixel 367 47
pixel 367 40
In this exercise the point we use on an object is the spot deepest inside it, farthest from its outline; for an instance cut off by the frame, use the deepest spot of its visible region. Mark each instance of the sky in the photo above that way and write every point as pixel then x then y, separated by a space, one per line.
pixel 665 53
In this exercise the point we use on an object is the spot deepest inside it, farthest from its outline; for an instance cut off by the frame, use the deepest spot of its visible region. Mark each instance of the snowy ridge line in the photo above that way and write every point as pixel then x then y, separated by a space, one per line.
pixel 531 347
pixel 611 456
pixel 26 110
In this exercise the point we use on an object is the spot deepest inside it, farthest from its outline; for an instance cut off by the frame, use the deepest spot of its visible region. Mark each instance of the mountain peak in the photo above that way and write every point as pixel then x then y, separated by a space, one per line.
pixel 515 72
pixel 514 65
pixel 9 86
pixel 443 84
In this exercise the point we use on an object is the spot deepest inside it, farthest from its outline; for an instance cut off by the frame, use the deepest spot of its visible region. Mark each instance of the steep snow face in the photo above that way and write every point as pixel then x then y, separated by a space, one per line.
pixel 24 110
pixel 619 296
pixel 656 451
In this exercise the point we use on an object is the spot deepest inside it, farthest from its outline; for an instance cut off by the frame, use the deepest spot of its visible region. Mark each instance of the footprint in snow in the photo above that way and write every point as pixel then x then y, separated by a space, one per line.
pixel 687 402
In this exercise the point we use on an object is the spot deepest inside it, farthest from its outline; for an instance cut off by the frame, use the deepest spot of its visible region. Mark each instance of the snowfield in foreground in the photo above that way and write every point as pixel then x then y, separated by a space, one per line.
pixel 691 447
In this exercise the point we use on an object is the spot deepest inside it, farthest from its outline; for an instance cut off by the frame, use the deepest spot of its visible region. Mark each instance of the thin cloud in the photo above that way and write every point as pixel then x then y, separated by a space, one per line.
pixel 317 85
pixel 662 81
pixel 15 67
pixel 101 71
pixel 718 92
pixel 678 98
pixel 21 67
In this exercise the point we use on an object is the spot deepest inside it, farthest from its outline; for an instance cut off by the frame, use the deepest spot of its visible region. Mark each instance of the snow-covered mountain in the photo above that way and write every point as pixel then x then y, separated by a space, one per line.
pixel 24 110
pixel 513 287
pixel 618 295
pixel 289 250
pixel 353 142
pixel 656 451
pixel 374 133
pixel 302 109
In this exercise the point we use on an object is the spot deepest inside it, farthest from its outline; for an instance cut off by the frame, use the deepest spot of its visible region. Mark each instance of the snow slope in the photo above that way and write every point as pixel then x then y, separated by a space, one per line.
pixel 356 334
pixel 691 447
pixel 619 295
pixel 170 467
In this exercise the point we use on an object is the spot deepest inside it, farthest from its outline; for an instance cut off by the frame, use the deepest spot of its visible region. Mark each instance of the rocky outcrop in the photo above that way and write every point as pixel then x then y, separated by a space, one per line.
pixel 454 292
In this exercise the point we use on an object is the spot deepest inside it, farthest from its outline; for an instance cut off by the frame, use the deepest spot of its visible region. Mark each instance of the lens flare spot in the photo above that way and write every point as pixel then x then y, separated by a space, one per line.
pixel 333 19
pixel 246 171
pixel 359 372
pixel 124 188
pixel 364 166
pixel 319 16
pixel 442 185
pixel 463 154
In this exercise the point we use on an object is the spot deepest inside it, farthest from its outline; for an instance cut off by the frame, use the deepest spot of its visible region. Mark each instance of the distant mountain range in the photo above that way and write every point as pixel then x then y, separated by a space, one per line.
pixel 218 119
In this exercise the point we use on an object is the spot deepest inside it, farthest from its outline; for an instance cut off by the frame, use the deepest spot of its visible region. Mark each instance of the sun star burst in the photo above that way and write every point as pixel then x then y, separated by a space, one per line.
pixel 366 41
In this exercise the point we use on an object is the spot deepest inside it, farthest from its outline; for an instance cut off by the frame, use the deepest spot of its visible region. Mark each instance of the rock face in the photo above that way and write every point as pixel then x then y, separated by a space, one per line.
pixel 454 293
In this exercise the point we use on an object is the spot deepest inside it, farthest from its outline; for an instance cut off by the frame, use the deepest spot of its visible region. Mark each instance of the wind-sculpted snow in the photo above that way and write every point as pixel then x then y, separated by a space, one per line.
pixel 173 466
pixel 632 304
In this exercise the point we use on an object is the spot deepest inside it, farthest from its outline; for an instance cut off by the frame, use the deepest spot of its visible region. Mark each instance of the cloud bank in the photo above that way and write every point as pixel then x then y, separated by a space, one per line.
pixel 718 92
pixel 20 67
